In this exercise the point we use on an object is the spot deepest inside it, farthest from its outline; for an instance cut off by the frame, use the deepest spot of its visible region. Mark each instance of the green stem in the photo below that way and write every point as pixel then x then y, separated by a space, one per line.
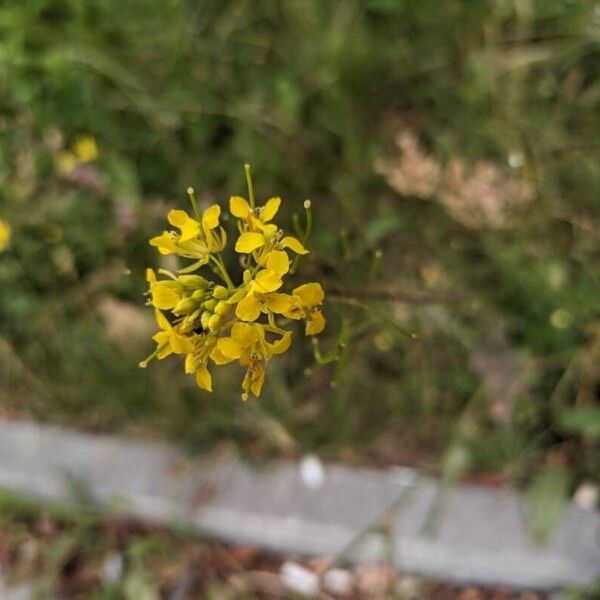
pixel 222 270
pixel 250 185
pixel 307 231
pixel 194 202
pixel 308 209
pixel 144 363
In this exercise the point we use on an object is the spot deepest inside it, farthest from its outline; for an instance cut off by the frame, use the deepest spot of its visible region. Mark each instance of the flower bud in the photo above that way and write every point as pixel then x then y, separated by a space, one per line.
pixel 214 322
pixel 209 305
pixel 222 308
pixel 195 282
pixel 220 292
pixel 198 295
pixel 185 306
pixel 204 317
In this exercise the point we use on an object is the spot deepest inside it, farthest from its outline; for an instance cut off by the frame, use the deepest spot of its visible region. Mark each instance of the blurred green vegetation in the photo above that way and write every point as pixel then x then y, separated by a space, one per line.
pixel 451 150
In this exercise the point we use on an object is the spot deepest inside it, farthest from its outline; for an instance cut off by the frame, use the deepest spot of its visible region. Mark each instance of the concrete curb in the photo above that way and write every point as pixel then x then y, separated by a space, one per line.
pixel 480 535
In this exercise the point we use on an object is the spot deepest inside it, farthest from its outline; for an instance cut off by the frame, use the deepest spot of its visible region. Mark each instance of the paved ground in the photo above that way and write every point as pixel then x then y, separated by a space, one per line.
pixel 468 534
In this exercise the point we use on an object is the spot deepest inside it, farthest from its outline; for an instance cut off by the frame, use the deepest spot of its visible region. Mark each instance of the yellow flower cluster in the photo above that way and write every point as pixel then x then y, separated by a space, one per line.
pixel 218 323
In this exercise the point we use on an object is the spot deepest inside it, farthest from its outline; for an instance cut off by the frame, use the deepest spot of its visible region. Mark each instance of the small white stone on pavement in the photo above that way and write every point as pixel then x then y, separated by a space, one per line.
pixel 587 495
pixel 312 472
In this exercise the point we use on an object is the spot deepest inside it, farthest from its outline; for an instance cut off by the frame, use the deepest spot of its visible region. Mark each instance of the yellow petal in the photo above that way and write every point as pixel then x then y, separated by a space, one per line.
pixel 190 363
pixel 181 344
pixel 253 380
pixel 165 294
pixel 278 303
pixel 315 324
pixel 283 343
pixel 210 218
pixel 248 309
pixel 150 275
pixel 257 378
pixel 251 240
pixel 244 333
pixel 162 321
pixel 293 244
pixel 189 231
pixel 162 338
pixel 203 378
pixel 238 207
pixel 279 262
pixel 177 218
pixel 165 243
pixel 270 209
pixel 188 226
pixel 295 310
pixel 229 348
pixel 219 358
pixel 311 294
pixel 257 224
pixel 266 281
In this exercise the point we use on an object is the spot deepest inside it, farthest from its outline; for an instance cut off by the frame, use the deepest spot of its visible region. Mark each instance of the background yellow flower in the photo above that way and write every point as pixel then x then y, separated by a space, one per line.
pixel 5 235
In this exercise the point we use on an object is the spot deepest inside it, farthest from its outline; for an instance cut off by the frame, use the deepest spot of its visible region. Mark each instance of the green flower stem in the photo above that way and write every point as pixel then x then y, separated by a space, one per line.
pixel 308 210
pixel 144 363
pixel 307 231
pixel 192 196
pixel 250 185
pixel 222 271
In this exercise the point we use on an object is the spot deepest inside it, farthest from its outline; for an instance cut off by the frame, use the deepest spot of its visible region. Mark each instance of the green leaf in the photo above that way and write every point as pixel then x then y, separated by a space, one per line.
pixel 585 420
pixel 546 498
pixel 380 227
pixel 139 586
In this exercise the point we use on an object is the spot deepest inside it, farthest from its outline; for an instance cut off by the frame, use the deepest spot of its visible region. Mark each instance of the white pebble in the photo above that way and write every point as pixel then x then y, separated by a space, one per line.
pixel 516 159
pixel 586 496
pixel 338 581
pixel 299 579
pixel 312 472
pixel 112 569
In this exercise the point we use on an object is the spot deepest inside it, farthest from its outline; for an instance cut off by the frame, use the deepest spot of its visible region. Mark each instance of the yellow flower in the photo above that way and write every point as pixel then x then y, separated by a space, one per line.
pixel 169 340
pixel 259 232
pixel 258 295
pixel 259 216
pixel 164 294
pixel 66 162
pixel 197 359
pixel 249 345
pixel 197 239
pixel 85 148
pixel 5 235
pixel 305 302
